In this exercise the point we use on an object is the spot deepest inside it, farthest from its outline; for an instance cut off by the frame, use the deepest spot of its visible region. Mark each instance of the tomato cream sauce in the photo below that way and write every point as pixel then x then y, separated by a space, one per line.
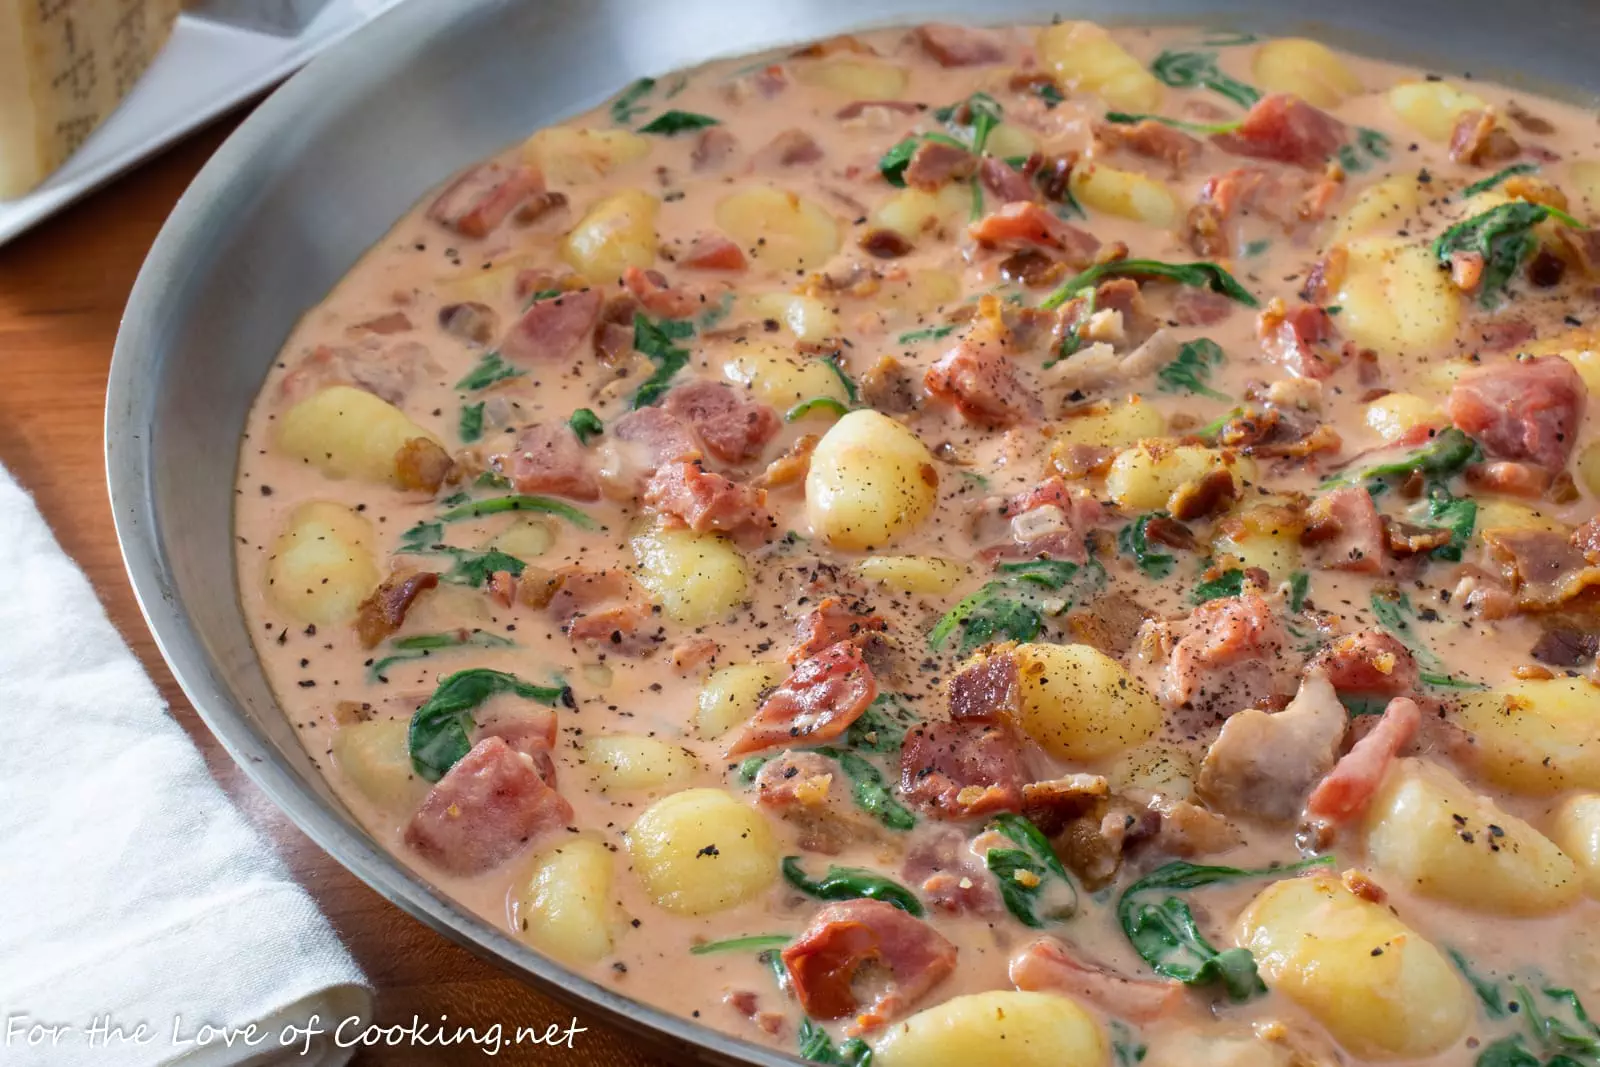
pixel 1361 355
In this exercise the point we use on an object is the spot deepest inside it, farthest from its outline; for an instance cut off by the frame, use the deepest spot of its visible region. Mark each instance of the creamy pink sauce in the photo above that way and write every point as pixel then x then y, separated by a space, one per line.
pixel 421 267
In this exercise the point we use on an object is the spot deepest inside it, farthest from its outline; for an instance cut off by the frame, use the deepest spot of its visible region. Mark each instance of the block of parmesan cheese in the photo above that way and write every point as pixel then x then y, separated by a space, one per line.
pixel 64 66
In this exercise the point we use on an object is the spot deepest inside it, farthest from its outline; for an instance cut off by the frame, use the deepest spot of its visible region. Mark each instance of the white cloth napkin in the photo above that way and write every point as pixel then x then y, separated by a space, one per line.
pixel 131 890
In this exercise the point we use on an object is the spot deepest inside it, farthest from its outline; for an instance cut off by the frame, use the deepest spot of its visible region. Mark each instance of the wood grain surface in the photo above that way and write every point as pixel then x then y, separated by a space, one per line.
pixel 62 290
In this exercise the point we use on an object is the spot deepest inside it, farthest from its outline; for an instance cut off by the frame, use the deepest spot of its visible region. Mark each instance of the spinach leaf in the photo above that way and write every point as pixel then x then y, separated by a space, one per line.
pixel 471 427
pixel 751 766
pixel 818 1047
pixel 1124 118
pixel 1190 370
pixel 1166 936
pixel 1503 237
pixel 816 403
pixel 1191 70
pixel 1299 585
pixel 892 164
pixel 1229 583
pixel 1458 515
pixel 586 424
pixel 851 883
pixel 1487 989
pixel 1125 1046
pixel 626 106
pixel 850 389
pixel 882 727
pixel 1049 93
pixel 1507 1052
pixel 932 333
pixel 476 568
pixel 422 538
pixel 1227 38
pixel 1007 608
pixel 418 646
pixel 1447 454
pixel 740 944
pixel 490 369
pixel 491 480
pixel 519 502
pixel 1394 613
pixel 1199 275
pixel 1370 145
pixel 1131 541
pixel 654 340
pixel 438 735
pixel 869 791
pixel 1026 873
pixel 671 123
pixel 1483 185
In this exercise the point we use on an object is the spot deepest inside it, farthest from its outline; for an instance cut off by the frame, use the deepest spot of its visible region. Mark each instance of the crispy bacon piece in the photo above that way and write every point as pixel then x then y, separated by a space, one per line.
pixel 986 691
pixel 1200 307
pixel 704 501
pixel 1025 224
pixel 733 428
pixel 790 468
pixel 1207 495
pixel 660 435
pixel 471 322
pixel 713 147
pixel 961 770
pixel 485 810
pixel 1368 661
pixel 389 373
pixel 1478 140
pixel 1345 529
pixel 958 46
pixel 548 459
pixel 613 334
pixel 1263 764
pixel 1347 789
pixel 829 623
pixel 856 108
pixel 1050 966
pixel 422 464
pixel 843 938
pixel 1052 803
pixel 1522 410
pixel 791 148
pixel 478 201
pixel 1152 140
pixel 1297 338
pixel 713 252
pixel 935 162
pixel 531 732
pixel 385 325
pixel 1008 184
pixel 384 612
pixel 603 606
pixel 1226 654
pixel 981 382
pixel 551 330
pixel 1284 128
pixel 1586 539
pixel 950 877
pixel 650 288
pixel 1052 519
pixel 693 652
pixel 1545 568
pixel 884 243
pixel 1511 479
pixel 816 704
pixel 794 779
pixel 1566 648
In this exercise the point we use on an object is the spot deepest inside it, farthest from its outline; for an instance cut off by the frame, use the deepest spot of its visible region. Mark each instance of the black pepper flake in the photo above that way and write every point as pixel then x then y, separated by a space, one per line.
pixel 709 850
pixel 307 683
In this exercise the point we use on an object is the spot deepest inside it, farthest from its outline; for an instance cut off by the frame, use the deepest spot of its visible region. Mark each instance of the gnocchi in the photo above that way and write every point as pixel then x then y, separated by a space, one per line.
pixel 565 906
pixel 1080 704
pixel 321 567
pixel 871 482
pixel 349 433
pixel 1432 107
pixel 732 694
pixel 1085 57
pixel 619 762
pixel 1126 193
pixel 780 230
pixel 1575 828
pixel 1307 69
pixel 1535 736
pixel 1395 299
pixel 694 577
pixel 617 233
pixel 701 851
pixel 930 575
pixel 375 757
pixel 1144 477
pixel 1034 1029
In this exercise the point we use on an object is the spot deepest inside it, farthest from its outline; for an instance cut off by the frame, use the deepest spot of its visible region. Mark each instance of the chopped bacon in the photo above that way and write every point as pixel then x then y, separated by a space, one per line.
pixel 1347 789
pixel 1227 653
pixel 694 652
pixel 613 335
pixel 1586 539
pixel 961 770
pixel 1346 530
pixel 1297 338
pixel 471 322
pixel 1025 224
pixel 1504 334
pixel 802 779
pixel 816 704
pixel 713 252
pixel 733 428
pixel 1202 497
pixel 478 201
pixel 384 612
pixel 384 325
pixel 884 243
pixel 1007 183
pixel 713 148
pixel 1286 129
pixel 829 623
pixel 980 380
pixel 548 459
pixel 530 732
pixel 1052 803
pixel 485 810
pixel 1512 479
pixel 790 468
pixel 1048 965
pixel 856 108
pixel 1124 296
pixel 936 162
pixel 842 938
pixel 650 288
pixel 986 691
pixel 1566 648
pixel 959 46
pixel 1152 140
pixel 1522 410
pixel 658 433
pixel 422 463
pixel 388 373
pixel 1478 140
pixel 951 878
pixel 1263 764
pixel 1545 568
pixel 791 148
pixel 1368 661
pixel 553 328
pixel 1200 307
pixel 1052 519
pixel 602 606
pixel 704 501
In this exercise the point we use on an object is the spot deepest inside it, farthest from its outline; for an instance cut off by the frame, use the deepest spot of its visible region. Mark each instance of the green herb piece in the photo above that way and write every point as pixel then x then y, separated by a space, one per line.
pixel 654 340
pixel 418 646
pixel 850 389
pixel 490 369
pixel 1199 275
pixel 1483 185
pixel 1503 237
pixel 1487 989
pixel 1299 585
pixel 750 766
pixel 772 960
pixel 1370 145
pixel 471 427
pixel 1190 370
pixel 975 478
pixel 818 1047
pixel 1131 541
pixel 455 498
pixel 542 294
pixel 892 164
pixel 1165 935
pixel 1256 248
pixel 851 883
pixel 626 106
pixel 1072 341
pixel 1229 583
pixel 932 333
pixel 1006 608
pixel 1447 454
pixel 740 944
pixel 1192 70
pixel 882 726
pixel 671 123
pixel 543 505
pixel 421 538
pixel 1029 871
pixel 1048 92
pixel 1459 515
pixel 715 314
pixel 869 792
pixel 491 480
pixel 476 568
pixel 1123 118
pixel 816 403
pixel 1129 1052
pixel 1358 706
pixel 586 424
pixel 1394 613
pixel 1228 38
pixel 438 735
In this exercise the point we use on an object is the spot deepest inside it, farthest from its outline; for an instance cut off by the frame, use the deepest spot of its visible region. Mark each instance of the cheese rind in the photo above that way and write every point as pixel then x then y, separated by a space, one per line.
pixel 64 67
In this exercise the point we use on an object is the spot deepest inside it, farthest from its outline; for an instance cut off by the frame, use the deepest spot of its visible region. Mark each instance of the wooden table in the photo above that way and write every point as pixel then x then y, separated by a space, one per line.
pixel 62 290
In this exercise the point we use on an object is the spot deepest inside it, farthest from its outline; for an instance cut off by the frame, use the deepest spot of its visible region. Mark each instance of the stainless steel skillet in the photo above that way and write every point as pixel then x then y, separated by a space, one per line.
pixel 324 167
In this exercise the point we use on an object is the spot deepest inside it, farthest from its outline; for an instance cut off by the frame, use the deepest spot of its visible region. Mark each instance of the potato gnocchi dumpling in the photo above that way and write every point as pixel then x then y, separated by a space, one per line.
pixel 911 213
pixel 805 317
pixel 1395 415
pixel 776 375
pixel 1084 57
pixel 871 482
pixel 1432 107
pixel 1575 828
pixel 568 155
pixel 349 433
pixel 376 759
pixel 1395 299
pixel 1119 425
pixel 321 567
pixel 1080 704
pixel 1034 1029
pixel 694 577
pixel 1126 193
pixel 856 77
pixel 731 695
pixel 929 575
pixel 617 233
pixel 700 851
pixel 1536 736
pixel 1144 477
pixel 780 230
pixel 619 762
pixel 1307 69
pixel 565 903
pixel 1382 208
